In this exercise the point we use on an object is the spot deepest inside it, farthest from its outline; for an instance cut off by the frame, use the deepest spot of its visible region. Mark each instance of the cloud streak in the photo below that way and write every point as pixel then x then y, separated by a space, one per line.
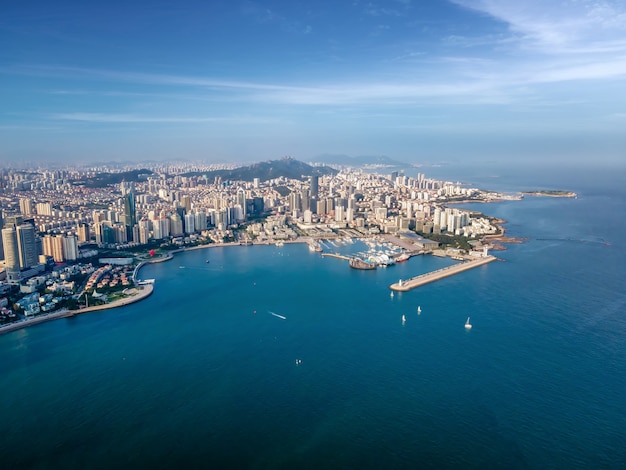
pixel 560 27
pixel 133 118
pixel 471 79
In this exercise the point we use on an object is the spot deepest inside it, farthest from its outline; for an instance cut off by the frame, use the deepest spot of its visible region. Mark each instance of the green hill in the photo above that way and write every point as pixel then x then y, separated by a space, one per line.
pixel 286 167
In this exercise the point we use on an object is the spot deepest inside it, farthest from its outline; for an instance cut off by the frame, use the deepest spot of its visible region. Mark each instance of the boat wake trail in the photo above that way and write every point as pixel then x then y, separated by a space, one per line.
pixel 277 315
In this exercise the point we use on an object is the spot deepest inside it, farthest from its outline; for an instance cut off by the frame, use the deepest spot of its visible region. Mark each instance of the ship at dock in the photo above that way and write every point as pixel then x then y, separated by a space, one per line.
pixel 357 263
pixel 315 247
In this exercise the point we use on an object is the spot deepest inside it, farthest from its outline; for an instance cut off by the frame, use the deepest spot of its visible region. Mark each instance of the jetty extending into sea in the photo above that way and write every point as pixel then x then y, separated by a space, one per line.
pixel 412 283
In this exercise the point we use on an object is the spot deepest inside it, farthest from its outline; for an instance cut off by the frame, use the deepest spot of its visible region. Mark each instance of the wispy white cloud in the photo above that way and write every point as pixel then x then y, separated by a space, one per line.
pixel 555 27
pixel 459 79
pixel 133 118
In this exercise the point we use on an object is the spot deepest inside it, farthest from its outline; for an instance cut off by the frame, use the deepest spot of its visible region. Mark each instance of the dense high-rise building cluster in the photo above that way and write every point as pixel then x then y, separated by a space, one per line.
pixel 53 216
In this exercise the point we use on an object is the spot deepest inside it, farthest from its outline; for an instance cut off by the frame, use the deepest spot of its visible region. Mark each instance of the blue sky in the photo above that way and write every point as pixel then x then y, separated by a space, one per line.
pixel 420 81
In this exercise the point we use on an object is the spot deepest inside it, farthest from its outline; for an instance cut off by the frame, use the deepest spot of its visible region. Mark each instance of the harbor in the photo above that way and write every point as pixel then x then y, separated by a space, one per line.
pixel 412 283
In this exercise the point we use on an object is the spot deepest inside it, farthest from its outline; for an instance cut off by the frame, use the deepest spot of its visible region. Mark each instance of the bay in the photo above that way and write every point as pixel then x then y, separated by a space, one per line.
pixel 202 374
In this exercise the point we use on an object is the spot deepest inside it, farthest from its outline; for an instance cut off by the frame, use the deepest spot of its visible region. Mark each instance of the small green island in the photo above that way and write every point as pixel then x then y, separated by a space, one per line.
pixel 550 193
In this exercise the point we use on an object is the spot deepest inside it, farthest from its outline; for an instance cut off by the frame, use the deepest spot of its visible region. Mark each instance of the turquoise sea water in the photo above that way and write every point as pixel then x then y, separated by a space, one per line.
pixel 193 376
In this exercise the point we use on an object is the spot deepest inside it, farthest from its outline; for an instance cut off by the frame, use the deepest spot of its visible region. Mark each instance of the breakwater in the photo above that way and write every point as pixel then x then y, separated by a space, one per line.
pixel 412 283
pixel 335 255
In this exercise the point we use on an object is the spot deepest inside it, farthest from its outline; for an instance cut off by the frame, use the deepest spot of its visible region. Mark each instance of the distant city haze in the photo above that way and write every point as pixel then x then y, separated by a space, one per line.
pixel 445 81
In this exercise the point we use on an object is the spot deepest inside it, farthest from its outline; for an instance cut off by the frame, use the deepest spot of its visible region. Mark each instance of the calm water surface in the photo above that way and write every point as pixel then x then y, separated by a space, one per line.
pixel 201 374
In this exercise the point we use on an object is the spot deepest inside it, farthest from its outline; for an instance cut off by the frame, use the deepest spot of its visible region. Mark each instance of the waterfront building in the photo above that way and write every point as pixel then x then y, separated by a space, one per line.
pixel 350 215
pixel 1 243
pixel 190 222
pixel 308 216
pixel 27 245
pixel 161 227
pixel 144 233
pixel 339 214
pixel 129 218
pixel 11 254
pixel 237 213
pixel 176 225
pixel 241 200
pixel 201 221
pixel 259 205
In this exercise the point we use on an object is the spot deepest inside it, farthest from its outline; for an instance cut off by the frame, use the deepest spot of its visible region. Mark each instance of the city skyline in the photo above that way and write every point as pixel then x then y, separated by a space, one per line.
pixel 442 81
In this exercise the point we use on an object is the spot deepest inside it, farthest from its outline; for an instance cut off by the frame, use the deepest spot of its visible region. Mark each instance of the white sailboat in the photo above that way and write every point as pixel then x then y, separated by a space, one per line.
pixel 419 309
pixel 468 326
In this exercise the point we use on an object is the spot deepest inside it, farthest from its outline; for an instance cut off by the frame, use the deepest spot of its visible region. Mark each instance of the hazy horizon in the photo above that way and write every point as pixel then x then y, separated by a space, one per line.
pixel 446 81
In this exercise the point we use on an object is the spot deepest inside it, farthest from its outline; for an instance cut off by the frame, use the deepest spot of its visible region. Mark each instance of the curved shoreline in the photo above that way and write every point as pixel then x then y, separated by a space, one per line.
pixel 142 293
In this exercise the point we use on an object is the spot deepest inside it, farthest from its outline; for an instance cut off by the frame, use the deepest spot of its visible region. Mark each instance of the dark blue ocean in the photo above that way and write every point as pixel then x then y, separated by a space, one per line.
pixel 202 375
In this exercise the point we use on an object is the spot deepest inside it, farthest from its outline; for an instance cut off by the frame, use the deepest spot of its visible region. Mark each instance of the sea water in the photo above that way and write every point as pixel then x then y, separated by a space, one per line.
pixel 202 374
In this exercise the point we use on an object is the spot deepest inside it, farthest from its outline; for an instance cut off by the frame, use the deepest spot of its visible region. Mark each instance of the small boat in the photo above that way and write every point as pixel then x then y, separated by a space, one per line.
pixel 403 319
pixel 207 261
pixel 403 257
pixel 391 295
pixel 279 316
pixel 468 326
pixel 419 309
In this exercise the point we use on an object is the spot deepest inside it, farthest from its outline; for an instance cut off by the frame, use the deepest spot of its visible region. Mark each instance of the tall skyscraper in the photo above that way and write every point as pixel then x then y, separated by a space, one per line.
pixel 129 218
pixel 201 222
pixel 314 186
pixel 241 200
pixel 27 246
pixel 176 225
pixel 190 222
pixel 11 254
pixel 1 243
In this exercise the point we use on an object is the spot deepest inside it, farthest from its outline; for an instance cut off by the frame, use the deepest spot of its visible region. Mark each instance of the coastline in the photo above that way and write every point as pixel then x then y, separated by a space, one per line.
pixel 498 239
pixel 142 293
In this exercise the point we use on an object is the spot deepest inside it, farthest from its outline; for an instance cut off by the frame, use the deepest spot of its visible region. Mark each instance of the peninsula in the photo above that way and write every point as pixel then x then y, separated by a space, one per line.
pixel 550 193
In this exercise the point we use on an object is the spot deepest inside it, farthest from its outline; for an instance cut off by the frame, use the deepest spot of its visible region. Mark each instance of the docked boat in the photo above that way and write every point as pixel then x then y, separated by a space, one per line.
pixel 468 325
pixel 403 257
pixel 357 263
pixel 314 246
